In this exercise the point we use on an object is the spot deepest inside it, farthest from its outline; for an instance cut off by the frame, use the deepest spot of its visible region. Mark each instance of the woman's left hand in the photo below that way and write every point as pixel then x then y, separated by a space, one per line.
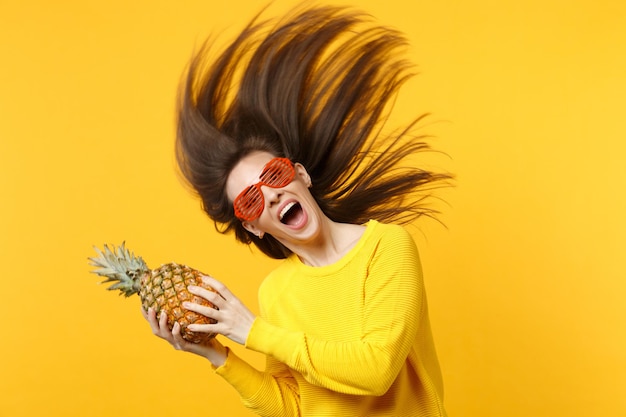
pixel 234 319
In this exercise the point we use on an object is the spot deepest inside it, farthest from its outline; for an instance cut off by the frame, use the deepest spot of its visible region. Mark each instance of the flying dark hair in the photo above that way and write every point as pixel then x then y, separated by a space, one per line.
pixel 314 87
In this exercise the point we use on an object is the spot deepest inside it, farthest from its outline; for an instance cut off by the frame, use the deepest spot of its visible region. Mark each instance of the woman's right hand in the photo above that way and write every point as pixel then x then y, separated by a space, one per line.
pixel 212 350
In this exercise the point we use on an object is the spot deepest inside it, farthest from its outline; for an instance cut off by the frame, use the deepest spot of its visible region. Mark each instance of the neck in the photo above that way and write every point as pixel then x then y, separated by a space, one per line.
pixel 332 243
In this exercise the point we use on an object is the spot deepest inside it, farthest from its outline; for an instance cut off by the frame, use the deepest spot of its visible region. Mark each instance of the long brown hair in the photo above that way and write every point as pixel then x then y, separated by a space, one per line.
pixel 314 87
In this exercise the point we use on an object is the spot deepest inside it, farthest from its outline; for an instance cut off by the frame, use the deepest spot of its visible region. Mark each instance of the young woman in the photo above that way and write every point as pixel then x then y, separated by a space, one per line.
pixel 281 137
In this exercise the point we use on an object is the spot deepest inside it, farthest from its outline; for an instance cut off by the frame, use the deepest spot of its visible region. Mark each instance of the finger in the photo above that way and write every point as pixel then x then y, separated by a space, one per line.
pixel 204 328
pixel 206 311
pixel 151 317
pixel 163 321
pixel 217 286
pixel 176 330
pixel 210 296
pixel 177 339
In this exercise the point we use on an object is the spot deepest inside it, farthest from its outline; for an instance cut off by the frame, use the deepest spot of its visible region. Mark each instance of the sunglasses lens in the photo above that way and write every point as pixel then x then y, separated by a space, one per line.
pixel 278 173
pixel 249 205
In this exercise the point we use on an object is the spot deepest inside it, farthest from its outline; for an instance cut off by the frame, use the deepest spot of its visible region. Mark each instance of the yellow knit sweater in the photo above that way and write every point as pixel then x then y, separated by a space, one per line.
pixel 348 339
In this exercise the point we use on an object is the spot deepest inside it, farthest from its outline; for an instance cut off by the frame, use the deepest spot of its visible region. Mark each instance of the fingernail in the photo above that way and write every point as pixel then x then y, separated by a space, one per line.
pixel 192 288
pixel 186 304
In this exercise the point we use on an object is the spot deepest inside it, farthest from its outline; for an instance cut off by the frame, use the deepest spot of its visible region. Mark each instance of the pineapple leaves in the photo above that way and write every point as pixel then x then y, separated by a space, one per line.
pixel 121 266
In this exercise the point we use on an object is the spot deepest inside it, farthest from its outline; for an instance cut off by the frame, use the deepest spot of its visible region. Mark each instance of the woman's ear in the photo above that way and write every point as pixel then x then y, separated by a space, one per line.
pixel 302 173
pixel 252 229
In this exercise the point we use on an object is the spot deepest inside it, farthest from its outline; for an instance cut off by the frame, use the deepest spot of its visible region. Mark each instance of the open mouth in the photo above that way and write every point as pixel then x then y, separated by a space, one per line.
pixel 291 214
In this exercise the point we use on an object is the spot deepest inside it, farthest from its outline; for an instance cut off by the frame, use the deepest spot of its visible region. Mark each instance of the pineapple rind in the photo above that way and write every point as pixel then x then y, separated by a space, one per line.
pixel 165 289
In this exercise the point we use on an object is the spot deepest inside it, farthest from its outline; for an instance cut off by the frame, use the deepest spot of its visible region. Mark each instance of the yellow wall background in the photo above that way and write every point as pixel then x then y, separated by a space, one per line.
pixel 526 284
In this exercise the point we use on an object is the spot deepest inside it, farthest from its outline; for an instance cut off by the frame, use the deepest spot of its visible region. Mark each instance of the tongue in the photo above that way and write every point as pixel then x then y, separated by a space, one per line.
pixel 293 216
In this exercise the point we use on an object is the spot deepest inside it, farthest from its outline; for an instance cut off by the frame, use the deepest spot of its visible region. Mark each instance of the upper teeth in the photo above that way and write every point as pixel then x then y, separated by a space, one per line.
pixel 285 210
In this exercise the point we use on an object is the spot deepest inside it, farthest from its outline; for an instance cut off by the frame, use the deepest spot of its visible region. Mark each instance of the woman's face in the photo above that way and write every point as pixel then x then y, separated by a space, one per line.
pixel 288 213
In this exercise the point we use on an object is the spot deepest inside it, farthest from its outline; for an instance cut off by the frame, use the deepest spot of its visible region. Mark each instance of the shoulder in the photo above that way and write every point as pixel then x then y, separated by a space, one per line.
pixel 279 278
pixel 395 262
pixel 390 234
pixel 392 243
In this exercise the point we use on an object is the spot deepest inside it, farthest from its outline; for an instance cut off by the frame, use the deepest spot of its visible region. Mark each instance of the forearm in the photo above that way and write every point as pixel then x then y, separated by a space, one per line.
pixel 271 393
pixel 362 367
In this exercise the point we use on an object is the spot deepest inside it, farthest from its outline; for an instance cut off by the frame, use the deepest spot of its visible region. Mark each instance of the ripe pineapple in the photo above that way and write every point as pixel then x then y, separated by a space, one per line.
pixel 163 289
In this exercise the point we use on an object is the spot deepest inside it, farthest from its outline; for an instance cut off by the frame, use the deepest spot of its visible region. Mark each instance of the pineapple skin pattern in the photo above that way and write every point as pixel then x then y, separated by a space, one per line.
pixel 163 289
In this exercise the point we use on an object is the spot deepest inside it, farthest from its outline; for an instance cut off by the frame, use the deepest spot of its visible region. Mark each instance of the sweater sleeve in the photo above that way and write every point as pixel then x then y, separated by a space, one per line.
pixel 271 393
pixel 392 301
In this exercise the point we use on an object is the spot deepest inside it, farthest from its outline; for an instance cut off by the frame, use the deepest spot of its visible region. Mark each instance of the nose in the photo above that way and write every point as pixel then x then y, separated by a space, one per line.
pixel 271 195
